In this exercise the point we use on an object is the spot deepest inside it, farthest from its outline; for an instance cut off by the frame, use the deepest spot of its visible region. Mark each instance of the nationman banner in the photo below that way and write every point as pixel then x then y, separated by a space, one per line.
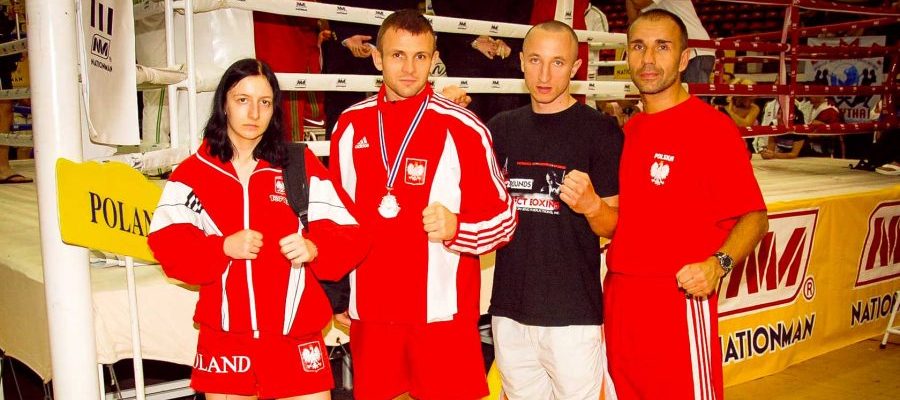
pixel 109 62
pixel 106 206
pixel 823 277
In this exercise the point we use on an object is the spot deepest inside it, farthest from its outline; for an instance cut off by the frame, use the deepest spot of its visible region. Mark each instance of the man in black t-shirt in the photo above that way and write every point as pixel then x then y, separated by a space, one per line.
pixel 561 159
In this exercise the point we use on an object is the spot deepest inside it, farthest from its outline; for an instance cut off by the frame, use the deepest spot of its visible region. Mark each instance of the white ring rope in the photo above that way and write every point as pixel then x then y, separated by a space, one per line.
pixel 15 94
pixel 13 47
pixel 17 139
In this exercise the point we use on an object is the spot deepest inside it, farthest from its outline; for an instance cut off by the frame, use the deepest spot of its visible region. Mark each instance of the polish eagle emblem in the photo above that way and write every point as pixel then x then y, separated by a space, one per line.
pixel 311 355
pixel 658 172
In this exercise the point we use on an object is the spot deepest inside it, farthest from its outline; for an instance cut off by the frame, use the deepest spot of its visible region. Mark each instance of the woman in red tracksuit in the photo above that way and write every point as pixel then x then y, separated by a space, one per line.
pixel 223 223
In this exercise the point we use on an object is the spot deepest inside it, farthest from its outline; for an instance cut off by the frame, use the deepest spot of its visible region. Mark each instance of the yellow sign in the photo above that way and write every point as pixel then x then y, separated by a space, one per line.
pixel 823 277
pixel 106 206
pixel 620 72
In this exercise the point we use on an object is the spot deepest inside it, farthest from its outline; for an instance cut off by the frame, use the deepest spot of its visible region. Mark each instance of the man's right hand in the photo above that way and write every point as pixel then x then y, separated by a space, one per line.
pixel 359 45
pixel 243 245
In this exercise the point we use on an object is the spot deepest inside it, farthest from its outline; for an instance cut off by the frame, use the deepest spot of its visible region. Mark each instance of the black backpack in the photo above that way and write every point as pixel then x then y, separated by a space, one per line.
pixel 295 181
pixel 297 191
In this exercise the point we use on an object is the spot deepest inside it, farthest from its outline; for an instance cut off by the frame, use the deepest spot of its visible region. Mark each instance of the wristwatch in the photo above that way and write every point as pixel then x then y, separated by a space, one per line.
pixel 725 261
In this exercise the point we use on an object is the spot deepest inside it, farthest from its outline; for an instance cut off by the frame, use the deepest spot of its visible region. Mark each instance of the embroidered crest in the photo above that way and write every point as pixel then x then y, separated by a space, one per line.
pixel 311 356
pixel 415 171
pixel 279 185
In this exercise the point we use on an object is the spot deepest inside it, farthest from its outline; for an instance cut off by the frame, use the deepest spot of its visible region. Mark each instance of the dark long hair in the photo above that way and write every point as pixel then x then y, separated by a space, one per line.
pixel 271 147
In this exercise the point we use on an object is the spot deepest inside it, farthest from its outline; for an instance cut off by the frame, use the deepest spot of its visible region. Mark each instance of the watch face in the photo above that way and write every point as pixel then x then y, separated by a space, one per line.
pixel 725 261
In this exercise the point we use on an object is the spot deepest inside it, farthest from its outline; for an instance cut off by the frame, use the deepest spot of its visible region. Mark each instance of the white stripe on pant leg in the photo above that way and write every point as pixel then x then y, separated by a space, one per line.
pixel 702 353
pixel 707 344
pixel 692 339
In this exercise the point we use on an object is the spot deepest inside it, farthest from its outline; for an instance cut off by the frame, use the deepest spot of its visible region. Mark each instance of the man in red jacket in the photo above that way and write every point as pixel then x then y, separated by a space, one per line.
pixel 426 185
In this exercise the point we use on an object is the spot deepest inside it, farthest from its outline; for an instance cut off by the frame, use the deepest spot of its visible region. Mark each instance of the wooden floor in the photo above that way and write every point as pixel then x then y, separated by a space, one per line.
pixel 860 371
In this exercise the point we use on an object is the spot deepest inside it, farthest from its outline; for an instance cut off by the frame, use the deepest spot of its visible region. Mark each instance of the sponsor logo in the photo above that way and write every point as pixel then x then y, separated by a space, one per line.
pixel 495 84
pixel 775 271
pixel 872 309
pixel 880 258
pixel 362 144
pixel 379 82
pixel 495 28
pixel 463 84
pixel 379 14
pixel 100 46
pixel 341 82
pixel 311 356
pixel 279 185
pixel 301 84
pixel 101 20
pixel 462 25
pixel 300 6
pixel 415 171
pixel 760 340
pixel 520 183
pixel 221 364
pixel 342 10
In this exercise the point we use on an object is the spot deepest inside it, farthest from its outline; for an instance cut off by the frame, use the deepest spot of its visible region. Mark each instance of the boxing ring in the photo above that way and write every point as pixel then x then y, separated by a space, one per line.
pixel 826 217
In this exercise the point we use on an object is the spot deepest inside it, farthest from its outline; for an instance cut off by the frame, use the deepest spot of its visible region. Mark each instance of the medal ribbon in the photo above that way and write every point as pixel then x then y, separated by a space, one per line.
pixel 392 172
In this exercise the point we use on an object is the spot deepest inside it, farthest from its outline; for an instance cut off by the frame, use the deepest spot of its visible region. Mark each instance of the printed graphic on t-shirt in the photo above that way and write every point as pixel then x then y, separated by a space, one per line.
pixel 311 356
pixel 659 169
pixel 534 186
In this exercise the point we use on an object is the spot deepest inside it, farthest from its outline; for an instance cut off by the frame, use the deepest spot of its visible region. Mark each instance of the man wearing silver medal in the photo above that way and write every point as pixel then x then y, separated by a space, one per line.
pixel 427 188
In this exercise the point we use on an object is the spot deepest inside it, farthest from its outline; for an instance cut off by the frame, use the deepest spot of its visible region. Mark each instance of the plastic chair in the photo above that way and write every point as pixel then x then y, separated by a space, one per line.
pixel 891 329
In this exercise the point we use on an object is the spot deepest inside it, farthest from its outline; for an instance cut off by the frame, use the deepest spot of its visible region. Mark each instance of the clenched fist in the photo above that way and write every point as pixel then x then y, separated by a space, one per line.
pixel 700 279
pixel 243 245
pixel 439 222
pixel 578 193
pixel 298 249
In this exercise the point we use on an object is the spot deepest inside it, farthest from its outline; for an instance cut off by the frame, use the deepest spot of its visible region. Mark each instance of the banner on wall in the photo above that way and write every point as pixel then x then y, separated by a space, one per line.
pixel 823 277
pixel 109 84
pixel 850 72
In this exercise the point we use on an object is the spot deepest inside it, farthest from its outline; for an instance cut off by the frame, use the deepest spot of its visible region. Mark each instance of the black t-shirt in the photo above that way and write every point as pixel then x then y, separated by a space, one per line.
pixel 549 274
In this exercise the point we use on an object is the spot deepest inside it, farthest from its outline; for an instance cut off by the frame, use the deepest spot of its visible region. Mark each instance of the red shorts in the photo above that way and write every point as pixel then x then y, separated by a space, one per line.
pixel 271 366
pixel 439 360
pixel 660 345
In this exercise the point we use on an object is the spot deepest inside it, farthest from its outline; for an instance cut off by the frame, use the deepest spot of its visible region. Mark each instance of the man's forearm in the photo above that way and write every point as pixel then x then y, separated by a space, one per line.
pixel 603 221
pixel 746 233
pixel 633 8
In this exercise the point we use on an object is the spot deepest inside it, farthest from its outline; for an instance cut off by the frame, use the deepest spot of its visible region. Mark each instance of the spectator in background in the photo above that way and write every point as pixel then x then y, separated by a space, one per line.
pixel 742 110
pixel 484 56
pixel 701 60
pixel 290 44
pixel 7 67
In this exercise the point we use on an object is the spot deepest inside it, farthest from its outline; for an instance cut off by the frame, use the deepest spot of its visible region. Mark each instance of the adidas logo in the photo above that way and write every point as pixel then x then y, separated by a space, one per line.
pixel 362 144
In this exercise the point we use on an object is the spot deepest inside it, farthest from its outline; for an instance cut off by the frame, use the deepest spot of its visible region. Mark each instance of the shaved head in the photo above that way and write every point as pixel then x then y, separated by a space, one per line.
pixel 555 27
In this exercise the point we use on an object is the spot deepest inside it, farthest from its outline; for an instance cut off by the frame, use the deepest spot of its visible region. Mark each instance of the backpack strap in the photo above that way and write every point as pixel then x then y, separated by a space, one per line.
pixel 295 184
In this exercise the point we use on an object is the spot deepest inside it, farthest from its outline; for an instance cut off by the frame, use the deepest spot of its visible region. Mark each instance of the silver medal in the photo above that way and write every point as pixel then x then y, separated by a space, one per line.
pixel 389 207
